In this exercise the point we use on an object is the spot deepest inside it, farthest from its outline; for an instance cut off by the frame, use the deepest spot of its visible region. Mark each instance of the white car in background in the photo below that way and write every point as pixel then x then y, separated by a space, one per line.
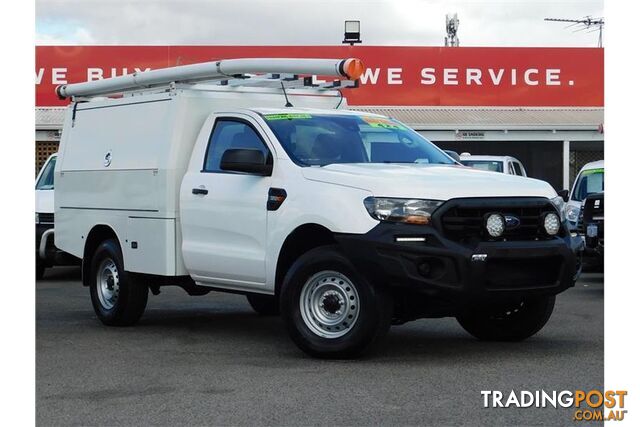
pixel 590 180
pixel 47 255
pixel 504 164
pixel 44 210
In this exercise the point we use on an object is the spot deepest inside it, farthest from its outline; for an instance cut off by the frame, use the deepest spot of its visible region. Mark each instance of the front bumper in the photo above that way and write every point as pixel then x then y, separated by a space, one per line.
pixel 593 246
pixel 40 230
pixel 441 267
pixel 52 255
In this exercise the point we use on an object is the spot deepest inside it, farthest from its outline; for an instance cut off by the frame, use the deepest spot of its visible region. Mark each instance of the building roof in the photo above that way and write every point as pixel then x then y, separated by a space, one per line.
pixel 442 118
pixel 49 118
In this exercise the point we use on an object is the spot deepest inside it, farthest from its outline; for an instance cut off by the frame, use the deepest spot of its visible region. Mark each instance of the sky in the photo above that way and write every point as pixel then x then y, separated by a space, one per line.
pixel 306 22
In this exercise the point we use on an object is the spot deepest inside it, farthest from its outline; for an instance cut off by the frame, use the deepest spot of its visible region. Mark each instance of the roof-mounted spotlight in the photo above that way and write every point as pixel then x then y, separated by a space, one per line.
pixel 351 32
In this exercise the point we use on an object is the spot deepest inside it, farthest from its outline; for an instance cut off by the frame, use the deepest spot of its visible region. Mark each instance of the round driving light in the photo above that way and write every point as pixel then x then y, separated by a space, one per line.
pixel 495 225
pixel 551 224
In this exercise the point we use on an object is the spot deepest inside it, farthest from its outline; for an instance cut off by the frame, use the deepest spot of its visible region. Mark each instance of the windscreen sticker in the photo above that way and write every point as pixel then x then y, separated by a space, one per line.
pixel 287 116
pixel 378 122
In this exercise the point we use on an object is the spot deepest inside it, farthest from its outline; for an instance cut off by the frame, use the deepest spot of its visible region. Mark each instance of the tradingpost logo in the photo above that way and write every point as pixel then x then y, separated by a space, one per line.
pixel 589 405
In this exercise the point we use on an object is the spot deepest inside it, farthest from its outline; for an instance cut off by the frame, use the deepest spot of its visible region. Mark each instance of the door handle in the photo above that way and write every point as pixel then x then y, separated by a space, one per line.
pixel 199 190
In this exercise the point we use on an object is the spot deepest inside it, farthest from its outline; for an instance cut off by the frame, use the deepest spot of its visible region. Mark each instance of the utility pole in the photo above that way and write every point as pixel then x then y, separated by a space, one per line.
pixel 585 24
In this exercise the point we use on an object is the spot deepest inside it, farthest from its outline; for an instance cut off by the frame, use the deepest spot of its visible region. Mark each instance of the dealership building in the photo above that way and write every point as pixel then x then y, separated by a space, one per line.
pixel 543 106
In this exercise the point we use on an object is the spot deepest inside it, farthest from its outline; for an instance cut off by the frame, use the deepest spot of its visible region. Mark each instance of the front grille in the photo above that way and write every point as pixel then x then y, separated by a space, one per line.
pixel 463 220
pixel 45 218
pixel 592 212
pixel 594 208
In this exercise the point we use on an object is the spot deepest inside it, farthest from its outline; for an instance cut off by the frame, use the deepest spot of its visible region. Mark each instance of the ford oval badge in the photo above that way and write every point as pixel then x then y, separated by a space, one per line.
pixel 511 221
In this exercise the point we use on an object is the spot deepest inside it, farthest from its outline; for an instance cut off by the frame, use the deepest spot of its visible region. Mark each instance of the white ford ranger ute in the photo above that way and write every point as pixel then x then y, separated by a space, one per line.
pixel 343 222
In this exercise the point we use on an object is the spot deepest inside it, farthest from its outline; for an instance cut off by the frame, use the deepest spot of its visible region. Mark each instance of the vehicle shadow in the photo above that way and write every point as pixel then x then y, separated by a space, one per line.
pixel 592 278
pixel 222 322
pixel 62 273
pixel 421 341
pixel 410 344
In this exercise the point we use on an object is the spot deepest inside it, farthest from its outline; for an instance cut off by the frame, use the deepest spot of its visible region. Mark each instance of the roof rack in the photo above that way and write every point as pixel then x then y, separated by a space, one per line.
pixel 255 72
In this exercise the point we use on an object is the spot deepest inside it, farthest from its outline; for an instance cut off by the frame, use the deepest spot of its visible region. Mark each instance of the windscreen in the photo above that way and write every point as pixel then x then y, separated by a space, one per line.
pixel 323 139
pixel 589 182
pixel 485 165
pixel 46 179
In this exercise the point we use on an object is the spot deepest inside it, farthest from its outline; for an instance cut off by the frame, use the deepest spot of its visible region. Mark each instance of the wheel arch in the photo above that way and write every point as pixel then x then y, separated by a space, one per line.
pixel 98 234
pixel 301 240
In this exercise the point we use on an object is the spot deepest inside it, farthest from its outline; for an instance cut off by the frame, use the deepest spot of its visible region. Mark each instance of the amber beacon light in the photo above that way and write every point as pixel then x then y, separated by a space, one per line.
pixel 352 68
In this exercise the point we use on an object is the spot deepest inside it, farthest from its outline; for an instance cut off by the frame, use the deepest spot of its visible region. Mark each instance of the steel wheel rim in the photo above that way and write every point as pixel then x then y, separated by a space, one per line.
pixel 329 304
pixel 108 281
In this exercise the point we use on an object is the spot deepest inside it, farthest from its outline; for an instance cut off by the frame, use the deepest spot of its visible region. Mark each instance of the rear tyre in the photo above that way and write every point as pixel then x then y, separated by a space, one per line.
pixel 264 305
pixel 117 299
pixel 330 310
pixel 508 322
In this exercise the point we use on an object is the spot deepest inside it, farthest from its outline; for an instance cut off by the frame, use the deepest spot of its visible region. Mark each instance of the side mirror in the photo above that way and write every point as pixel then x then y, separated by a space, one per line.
pixel 247 161
pixel 455 156
pixel 564 194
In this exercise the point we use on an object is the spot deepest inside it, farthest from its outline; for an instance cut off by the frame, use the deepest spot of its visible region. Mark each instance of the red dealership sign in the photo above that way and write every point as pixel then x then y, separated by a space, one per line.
pixel 416 76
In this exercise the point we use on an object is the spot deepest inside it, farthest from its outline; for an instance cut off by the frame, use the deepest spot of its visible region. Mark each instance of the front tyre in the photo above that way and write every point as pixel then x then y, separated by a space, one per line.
pixel 515 321
pixel 329 309
pixel 117 299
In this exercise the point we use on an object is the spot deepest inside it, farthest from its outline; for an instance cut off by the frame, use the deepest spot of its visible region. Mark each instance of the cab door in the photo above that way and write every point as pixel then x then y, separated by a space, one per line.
pixel 223 213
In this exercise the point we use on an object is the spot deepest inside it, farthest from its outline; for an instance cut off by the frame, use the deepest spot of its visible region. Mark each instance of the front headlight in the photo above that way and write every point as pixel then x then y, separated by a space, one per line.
pixel 558 202
pixel 572 212
pixel 408 211
pixel 37 218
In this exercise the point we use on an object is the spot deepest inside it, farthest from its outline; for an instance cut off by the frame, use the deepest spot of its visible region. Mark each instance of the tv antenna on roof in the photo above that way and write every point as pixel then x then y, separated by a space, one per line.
pixel 585 24
pixel 451 27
